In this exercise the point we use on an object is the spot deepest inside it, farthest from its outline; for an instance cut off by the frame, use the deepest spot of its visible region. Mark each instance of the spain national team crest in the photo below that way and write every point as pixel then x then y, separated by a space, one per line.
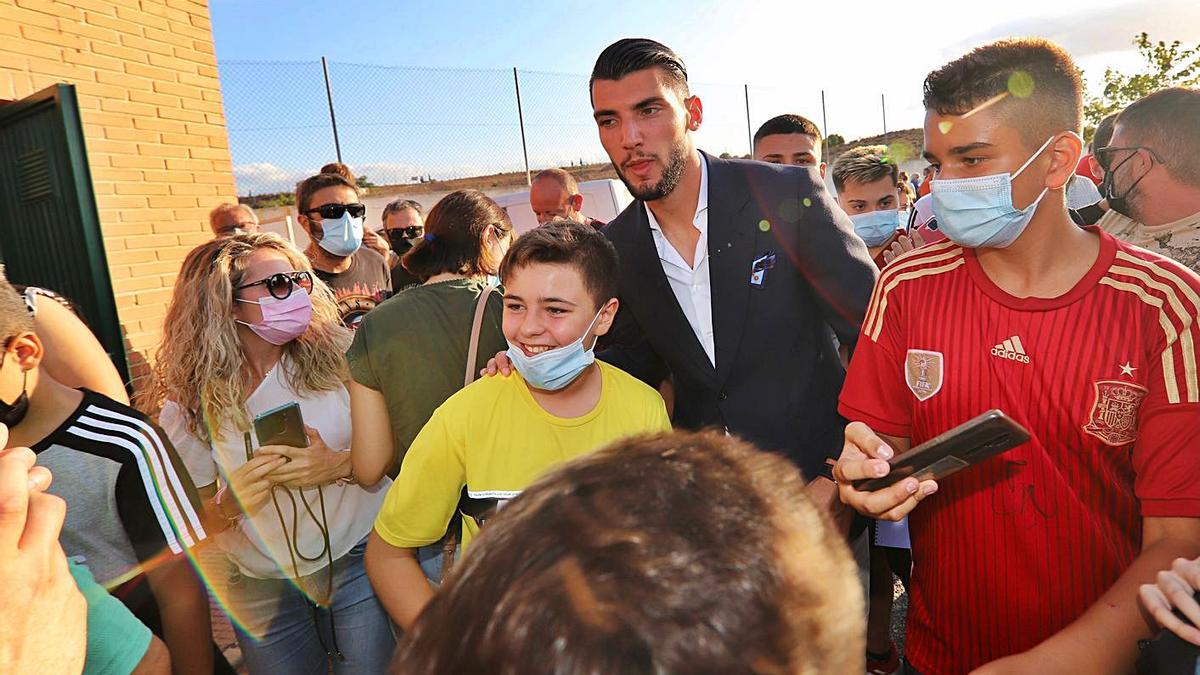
pixel 1115 411
pixel 923 373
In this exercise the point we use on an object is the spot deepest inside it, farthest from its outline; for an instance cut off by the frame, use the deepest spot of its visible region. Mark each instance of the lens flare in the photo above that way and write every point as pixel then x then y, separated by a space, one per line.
pixel 1020 84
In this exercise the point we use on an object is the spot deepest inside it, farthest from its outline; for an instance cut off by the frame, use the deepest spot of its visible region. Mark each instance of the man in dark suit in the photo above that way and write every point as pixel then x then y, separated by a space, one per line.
pixel 732 272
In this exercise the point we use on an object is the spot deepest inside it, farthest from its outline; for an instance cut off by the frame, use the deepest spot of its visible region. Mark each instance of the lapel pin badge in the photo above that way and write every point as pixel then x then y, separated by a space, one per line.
pixel 759 268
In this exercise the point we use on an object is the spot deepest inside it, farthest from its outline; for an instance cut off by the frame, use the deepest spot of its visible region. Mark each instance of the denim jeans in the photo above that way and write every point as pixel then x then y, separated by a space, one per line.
pixel 283 619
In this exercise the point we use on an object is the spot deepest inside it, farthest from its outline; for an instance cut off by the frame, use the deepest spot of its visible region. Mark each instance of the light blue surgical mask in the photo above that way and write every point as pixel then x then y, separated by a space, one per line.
pixel 875 227
pixel 979 212
pixel 342 236
pixel 552 370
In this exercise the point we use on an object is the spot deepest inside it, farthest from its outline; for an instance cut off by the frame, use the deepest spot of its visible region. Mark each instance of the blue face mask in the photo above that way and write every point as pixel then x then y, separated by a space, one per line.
pixel 552 370
pixel 342 236
pixel 979 212
pixel 875 227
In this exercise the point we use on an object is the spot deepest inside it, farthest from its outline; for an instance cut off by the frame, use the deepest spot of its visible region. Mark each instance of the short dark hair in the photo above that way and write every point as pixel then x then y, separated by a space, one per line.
pixel 1168 121
pixel 306 188
pixel 675 553
pixel 1104 132
pixel 864 164
pixel 14 313
pixel 454 232
pixel 630 55
pixel 398 205
pixel 566 242
pixel 787 124
pixel 1032 82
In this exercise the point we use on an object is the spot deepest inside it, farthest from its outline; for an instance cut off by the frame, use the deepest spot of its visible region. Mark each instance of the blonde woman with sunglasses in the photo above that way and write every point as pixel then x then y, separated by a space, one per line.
pixel 250 331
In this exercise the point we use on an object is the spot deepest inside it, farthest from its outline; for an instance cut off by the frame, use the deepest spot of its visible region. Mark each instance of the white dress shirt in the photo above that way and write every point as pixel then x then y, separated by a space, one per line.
pixel 691 283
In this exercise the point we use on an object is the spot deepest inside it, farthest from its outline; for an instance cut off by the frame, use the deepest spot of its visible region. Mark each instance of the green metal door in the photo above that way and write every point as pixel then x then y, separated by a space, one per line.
pixel 49 226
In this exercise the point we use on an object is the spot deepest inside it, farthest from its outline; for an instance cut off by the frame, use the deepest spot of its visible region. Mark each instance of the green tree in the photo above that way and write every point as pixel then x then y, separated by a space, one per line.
pixel 834 140
pixel 364 182
pixel 1167 65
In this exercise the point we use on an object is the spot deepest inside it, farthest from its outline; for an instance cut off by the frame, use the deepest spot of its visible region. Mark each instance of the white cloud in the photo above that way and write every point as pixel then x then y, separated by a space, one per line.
pixel 265 177
pixel 1087 32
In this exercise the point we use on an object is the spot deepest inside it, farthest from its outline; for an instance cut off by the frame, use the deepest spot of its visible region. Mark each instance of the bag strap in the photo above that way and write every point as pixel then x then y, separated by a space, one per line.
pixel 476 326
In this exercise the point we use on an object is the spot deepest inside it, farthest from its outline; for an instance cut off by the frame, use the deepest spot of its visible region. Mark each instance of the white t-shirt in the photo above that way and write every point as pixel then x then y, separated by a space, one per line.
pixel 259 546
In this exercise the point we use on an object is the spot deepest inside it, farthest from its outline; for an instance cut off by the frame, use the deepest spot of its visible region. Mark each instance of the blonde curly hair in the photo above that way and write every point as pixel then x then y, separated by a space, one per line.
pixel 200 364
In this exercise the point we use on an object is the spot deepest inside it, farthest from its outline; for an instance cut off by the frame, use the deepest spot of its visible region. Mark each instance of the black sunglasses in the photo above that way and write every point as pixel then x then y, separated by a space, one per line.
pixel 335 211
pixel 281 284
pixel 1104 155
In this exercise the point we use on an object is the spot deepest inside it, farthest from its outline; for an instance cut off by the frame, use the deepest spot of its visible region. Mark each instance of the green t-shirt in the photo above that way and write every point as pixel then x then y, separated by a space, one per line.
pixel 116 640
pixel 412 348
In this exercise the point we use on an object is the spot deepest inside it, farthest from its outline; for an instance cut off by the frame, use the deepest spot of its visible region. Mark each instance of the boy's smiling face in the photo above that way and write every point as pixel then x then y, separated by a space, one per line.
pixel 547 306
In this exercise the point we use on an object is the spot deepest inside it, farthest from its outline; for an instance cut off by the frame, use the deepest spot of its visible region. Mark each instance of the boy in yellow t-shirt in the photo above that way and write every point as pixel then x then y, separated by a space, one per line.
pixel 501 433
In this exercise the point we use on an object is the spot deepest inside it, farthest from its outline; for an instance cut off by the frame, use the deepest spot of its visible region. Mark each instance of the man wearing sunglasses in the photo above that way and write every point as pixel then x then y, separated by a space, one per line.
pixel 332 215
pixel 1152 181
pixel 403 227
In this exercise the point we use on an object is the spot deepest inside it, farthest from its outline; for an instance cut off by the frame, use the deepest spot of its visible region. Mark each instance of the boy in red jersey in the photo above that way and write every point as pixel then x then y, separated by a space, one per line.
pixel 1030 561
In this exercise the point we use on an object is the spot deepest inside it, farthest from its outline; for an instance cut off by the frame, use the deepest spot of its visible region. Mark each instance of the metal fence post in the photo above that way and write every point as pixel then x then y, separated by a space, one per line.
pixel 521 121
pixel 749 131
pixel 824 120
pixel 883 107
pixel 337 146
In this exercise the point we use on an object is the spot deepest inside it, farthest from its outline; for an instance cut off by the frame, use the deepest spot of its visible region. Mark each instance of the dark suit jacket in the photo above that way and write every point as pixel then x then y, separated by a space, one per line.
pixel 777 374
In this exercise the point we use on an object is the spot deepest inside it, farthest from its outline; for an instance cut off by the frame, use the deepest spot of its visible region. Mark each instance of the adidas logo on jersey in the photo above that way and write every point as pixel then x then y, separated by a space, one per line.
pixel 1011 349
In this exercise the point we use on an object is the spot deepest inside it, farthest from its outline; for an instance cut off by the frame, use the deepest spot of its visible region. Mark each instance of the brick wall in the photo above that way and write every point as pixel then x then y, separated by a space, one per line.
pixel 154 127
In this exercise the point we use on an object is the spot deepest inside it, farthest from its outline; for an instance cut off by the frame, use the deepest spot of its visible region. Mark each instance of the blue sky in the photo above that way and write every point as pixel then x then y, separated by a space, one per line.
pixel 401 115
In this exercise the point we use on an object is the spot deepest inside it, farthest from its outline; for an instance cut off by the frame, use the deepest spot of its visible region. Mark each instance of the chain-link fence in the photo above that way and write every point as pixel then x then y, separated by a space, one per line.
pixel 400 125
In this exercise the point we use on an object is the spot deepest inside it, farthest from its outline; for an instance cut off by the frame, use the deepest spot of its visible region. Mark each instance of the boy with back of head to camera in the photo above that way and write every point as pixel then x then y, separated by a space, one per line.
pixel 497 435
pixel 132 510
pixel 1031 560
pixel 674 554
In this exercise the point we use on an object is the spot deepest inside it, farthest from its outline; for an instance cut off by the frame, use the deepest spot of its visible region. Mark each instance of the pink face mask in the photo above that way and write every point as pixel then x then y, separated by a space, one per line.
pixel 282 320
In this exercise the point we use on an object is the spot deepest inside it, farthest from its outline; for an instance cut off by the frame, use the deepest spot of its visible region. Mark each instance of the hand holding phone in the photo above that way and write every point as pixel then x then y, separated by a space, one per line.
pixel 876 483
pixel 281 426
pixel 965 445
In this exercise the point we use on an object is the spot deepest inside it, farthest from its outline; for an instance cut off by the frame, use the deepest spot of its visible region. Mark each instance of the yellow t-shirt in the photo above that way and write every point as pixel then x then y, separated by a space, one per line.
pixel 494 439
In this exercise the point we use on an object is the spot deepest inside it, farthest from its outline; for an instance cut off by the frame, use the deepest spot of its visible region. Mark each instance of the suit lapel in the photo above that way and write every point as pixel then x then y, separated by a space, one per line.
pixel 730 255
pixel 650 282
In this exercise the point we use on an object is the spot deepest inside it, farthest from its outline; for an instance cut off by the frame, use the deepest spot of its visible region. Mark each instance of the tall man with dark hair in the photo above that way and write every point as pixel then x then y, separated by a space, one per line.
pixel 1029 562
pixel 1153 179
pixel 730 270
pixel 789 139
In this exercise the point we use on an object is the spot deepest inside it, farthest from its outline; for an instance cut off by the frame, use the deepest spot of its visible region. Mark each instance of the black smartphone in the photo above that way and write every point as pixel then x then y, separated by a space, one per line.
pixel 969 443
pixel 281 426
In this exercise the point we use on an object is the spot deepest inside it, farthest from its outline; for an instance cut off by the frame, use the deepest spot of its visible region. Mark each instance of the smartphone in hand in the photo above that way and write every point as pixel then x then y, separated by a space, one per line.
pixel 281 426
pixel 969 443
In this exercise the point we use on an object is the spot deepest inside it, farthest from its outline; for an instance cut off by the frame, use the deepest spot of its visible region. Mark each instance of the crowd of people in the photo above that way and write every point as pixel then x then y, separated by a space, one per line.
pixel 638 446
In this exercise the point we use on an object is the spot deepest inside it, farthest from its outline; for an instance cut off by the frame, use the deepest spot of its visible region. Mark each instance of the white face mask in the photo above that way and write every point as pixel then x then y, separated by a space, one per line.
pixel 554 369
pixel 875 227
pixel 979 212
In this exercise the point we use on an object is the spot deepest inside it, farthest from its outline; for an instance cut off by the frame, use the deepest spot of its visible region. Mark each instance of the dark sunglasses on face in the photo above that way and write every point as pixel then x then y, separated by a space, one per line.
pixel 411 232
pixel 1104 156
pixel 335 211
pixel 281 284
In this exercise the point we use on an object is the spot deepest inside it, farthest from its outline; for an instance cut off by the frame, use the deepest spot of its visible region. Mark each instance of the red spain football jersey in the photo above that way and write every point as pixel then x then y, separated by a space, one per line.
pixel 1010 551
